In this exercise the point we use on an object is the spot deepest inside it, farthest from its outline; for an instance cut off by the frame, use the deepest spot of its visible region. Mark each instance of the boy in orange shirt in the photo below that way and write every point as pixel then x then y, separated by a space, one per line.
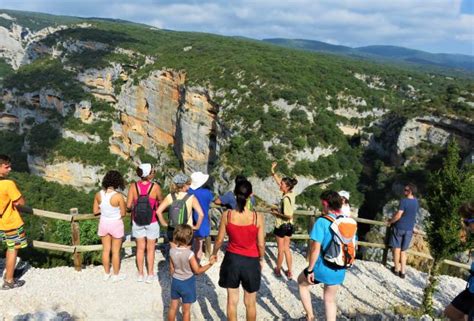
pixel 11 225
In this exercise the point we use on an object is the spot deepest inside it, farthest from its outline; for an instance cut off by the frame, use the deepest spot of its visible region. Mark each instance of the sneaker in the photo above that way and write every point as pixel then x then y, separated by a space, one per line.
pixel 151 279
pixel 118 277
pixel 397 273
pixel 106 277
pixel 401 275
pixel 140 278
pixel 12 285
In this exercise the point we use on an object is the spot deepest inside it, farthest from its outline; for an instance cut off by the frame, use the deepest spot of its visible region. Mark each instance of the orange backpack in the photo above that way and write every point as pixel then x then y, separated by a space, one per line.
pixel 341 251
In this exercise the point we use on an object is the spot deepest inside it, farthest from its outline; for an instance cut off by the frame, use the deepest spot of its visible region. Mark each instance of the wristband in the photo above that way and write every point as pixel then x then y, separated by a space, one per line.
pixel 307 271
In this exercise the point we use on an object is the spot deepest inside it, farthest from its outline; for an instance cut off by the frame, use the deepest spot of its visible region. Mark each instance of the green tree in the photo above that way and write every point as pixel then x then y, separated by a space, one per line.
pixel 448 189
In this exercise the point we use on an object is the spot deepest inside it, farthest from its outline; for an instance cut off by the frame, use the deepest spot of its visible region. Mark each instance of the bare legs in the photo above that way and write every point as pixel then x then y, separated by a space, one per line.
pixel 283 244
pixel 10 265
pixel 197 246
pixel 141 243
pixel 173 310
pixel 329 295
pixel 110 244
pixel 399 260
pixel 250 301
pixel 150 256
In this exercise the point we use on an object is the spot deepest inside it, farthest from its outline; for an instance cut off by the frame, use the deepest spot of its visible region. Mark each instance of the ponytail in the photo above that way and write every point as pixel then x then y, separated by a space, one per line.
pixel 242 191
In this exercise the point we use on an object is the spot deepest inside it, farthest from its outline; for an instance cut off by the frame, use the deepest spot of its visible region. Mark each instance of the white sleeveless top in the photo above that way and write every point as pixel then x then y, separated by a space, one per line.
pixel 108 211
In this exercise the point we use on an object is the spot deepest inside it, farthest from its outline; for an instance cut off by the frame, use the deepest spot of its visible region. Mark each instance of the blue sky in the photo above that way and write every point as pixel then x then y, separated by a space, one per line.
pixel 431 25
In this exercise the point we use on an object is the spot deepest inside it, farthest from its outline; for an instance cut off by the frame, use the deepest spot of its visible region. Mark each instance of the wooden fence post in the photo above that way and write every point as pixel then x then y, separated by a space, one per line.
pixel 76 239
pixel 311 221
pixel 385 250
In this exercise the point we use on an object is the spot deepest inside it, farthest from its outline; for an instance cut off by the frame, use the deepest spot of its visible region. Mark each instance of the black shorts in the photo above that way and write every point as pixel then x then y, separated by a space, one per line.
pixel 284 230
pixel 464 301
pixel 236 269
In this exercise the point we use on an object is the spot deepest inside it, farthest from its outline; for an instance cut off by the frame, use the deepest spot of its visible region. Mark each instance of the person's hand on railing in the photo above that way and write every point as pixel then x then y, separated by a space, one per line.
pixel 97 214
pixel 24 209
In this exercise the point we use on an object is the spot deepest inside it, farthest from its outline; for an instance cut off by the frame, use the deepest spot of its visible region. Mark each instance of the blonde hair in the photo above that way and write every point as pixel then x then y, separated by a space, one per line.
pixel 183 234
pixel 176 188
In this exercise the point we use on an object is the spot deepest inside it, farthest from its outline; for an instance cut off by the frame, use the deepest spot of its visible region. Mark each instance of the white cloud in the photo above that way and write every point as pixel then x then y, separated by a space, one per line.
pixel 430 25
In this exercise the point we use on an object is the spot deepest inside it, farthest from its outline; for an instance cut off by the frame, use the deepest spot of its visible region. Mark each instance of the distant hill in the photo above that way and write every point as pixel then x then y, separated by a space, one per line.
pixel 383 53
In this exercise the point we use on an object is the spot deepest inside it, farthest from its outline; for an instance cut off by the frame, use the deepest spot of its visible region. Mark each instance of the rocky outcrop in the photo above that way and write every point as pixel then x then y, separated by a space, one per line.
pixel 66 172
pixel 354 113
pixel 101 81
pixel 44 98
pixel 81 137
pixel 148 113
pixel 433 130
pixel 196 131
pixel 312 154
pixel 9 122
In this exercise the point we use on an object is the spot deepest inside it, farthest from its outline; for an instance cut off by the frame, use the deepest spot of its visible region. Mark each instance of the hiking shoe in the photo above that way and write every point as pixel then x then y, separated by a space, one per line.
pixel 106 277
pixel 151 279
pixel 397 273
pixel 401 275
pixel 118 277
pixel 12 285
pixel 140 278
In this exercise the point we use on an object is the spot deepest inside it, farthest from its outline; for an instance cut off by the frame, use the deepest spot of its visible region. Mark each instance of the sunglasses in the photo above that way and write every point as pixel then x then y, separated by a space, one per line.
pixel 468 221
pixel 406 190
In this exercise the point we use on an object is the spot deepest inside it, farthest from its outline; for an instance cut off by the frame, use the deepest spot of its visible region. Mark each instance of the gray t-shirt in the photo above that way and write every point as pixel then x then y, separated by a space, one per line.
pixel 180 257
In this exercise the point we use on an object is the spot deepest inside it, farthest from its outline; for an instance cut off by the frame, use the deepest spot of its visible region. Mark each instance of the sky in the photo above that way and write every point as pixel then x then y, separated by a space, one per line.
pixel 431 25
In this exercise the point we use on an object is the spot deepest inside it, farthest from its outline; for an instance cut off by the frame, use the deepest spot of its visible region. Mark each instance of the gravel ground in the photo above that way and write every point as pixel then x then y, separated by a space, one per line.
pixel 370 292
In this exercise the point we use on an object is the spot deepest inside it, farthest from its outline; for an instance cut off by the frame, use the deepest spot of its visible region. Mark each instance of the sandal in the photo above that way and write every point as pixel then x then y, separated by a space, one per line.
pixel 12 285
pixel 289 275
pixel 277 272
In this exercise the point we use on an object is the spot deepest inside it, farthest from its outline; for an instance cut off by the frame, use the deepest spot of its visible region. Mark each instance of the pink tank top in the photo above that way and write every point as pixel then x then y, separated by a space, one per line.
pixel 242 238
pixel 143 189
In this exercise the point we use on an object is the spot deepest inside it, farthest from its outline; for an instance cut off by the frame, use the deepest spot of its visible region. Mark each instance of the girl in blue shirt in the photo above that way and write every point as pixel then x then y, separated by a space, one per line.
pixel 318 271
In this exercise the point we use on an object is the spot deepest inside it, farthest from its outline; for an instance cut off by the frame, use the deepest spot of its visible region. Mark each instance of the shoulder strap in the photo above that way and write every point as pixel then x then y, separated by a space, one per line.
pixel 186 197
pixel 329 218
pixel 149 190
pixel 289 199
pixel 255 218
pixel 138 190
pixel 173 197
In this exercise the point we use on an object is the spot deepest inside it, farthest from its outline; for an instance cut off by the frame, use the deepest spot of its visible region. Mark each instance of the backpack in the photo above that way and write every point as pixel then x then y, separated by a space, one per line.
pixel 341 252
pixel 178 212
pixel 143 212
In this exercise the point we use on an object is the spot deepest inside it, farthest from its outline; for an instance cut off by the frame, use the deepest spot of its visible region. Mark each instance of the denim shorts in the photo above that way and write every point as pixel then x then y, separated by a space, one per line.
pixel 400 239
pixel 151 232
pixel 184 290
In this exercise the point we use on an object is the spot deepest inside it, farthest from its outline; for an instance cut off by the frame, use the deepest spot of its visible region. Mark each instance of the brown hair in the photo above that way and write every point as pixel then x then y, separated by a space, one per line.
pixel 176 188
pixel 290 182
pixel 467 210
pixel 4 159
pixel 183 234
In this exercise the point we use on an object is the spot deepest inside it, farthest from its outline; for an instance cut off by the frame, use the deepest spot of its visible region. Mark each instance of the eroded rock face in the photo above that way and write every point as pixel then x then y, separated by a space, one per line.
pixel 66 172
pixel 434 130
pixel 196 134
pixel 148 113
pixel 9 122
pixel 101 81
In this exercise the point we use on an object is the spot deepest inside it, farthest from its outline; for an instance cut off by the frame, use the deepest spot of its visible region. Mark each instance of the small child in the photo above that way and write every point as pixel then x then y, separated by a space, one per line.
pixel 183 267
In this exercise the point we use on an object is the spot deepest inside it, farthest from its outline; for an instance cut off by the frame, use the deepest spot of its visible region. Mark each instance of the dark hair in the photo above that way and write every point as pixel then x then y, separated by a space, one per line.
pixel 412 188
pixel 4 159
pixel 183 234
pixel 242 191
pixel 290 182
pixel 333 199
pixel 467 210
pixel 113 179
pixel 239 178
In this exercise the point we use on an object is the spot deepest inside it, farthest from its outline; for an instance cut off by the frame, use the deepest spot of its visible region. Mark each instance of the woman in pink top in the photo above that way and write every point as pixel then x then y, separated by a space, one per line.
pixel 145 235
pixel 243 259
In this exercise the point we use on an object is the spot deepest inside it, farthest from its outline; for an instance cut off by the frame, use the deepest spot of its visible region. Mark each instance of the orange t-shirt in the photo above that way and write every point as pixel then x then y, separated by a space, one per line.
pixel 9 216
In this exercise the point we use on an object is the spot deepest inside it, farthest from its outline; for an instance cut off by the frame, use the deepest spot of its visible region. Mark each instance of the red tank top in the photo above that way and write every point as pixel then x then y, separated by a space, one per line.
pixel 242 238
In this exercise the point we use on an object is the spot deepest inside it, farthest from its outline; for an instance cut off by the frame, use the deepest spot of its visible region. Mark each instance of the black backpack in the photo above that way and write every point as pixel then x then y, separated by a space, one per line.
pixel 178 212
pixel 143 212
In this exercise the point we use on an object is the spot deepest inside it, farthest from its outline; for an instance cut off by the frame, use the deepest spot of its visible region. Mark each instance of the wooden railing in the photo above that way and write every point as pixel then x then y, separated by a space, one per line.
pixel 76 249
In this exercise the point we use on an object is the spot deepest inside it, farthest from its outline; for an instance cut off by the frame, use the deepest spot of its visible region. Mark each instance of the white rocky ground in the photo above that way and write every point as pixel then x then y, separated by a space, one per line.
pixel 370 292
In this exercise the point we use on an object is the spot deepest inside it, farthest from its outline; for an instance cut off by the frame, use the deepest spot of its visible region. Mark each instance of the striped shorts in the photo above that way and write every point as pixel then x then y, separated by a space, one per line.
pixel 15 239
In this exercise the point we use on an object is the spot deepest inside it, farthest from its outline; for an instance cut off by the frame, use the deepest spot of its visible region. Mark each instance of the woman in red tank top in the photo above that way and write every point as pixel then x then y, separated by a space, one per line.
pixel 243 259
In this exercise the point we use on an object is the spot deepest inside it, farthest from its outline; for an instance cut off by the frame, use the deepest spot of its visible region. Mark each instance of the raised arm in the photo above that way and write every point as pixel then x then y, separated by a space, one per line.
pixel 159 212
pixel 198 209
pixel 275 175
pixel 220 235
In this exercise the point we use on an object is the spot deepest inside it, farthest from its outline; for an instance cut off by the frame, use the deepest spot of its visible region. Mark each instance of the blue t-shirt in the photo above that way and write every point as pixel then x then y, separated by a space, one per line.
pixel 321 233
pixel 409 206
pixel 229 200
pixel 204 197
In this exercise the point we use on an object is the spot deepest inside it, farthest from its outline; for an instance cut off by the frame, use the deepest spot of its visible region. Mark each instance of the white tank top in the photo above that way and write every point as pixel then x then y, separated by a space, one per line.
pixel 108 211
